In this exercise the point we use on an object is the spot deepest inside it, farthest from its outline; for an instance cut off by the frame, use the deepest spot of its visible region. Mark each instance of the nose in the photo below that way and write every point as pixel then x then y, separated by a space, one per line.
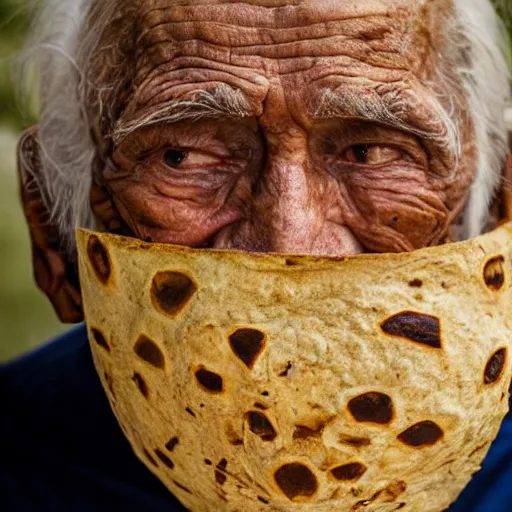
pixel 289 215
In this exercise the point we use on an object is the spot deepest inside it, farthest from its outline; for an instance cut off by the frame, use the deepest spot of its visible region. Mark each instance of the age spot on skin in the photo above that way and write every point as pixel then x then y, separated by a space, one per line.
pixel 495 366
pixel 100 340
pixel 425 433
pixel 296 480
pixel 260 425
pixel 415 327
pixel 209 381
pixel 149 351
pixel 494 273
pixel 352 471
pixel 247 344
pixel 372 407
pixel 171 291
pixel 99 259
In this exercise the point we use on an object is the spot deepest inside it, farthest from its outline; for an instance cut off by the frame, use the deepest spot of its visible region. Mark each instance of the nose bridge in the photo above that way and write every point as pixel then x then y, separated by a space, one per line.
pixel 285 203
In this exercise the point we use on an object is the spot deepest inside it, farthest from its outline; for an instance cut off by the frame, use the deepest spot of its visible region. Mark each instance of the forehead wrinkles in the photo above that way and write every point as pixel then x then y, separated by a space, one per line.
pixel 244 34
pixel 271 13
pixel 182 47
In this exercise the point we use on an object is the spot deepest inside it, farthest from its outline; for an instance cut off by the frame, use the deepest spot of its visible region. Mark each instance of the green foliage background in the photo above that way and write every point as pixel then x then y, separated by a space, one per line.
pixel 26 319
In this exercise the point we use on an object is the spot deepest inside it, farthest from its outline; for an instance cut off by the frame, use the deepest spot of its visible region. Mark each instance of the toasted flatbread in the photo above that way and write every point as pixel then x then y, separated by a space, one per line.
pixel 250 382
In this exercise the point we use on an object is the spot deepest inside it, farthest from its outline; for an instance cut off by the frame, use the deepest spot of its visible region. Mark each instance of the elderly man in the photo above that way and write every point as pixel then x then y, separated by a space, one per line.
pixel 326 127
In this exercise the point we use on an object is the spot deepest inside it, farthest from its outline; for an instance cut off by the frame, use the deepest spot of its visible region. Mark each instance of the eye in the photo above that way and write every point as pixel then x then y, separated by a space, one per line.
pixel 372 154
pixel 186 160
pixel 174 158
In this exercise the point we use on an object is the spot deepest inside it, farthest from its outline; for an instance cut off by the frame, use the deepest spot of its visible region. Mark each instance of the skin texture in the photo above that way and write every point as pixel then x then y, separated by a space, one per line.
pixel 287 178
pixel 291 169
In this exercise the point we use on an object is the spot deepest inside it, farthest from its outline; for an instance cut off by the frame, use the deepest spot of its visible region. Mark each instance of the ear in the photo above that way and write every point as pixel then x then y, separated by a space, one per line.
pixel 55 271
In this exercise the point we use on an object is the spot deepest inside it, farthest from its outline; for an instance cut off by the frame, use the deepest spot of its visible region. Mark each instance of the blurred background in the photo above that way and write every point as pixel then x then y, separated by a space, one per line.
pixel 26 318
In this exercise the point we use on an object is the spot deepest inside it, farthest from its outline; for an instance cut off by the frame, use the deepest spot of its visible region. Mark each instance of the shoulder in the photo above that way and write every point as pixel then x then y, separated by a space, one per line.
pixel 62 447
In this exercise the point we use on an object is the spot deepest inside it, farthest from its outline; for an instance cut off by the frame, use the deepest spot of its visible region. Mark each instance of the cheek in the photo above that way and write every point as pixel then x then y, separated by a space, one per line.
pixel 404 203
pixel 185 215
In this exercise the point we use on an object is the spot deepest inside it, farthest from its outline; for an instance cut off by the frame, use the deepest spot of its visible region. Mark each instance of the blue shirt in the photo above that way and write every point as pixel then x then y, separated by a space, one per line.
pixel 63 451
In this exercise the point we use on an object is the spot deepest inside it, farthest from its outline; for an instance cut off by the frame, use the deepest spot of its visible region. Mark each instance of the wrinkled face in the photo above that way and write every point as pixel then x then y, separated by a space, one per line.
pixel 305 126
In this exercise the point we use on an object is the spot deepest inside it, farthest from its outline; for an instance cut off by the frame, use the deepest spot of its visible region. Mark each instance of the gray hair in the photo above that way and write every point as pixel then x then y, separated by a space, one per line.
pixel 76 96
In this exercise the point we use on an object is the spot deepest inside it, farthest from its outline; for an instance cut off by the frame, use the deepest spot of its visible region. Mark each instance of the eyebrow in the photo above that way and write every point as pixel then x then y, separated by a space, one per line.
pixel 221 101
pixel 417 112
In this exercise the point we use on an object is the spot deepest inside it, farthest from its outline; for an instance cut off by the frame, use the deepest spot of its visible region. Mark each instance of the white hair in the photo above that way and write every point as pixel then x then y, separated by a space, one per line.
pixel 486 80
pixel 74 100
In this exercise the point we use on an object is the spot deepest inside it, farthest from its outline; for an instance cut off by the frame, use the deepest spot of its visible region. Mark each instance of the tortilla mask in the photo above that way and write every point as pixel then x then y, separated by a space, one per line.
pixel 272 383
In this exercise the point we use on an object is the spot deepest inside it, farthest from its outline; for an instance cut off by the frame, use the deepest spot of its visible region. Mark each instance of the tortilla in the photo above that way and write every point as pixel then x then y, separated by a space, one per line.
pixel 274 383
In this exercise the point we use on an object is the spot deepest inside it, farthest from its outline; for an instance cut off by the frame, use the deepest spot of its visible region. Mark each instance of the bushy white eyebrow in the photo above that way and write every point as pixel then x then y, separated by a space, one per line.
pixel 395 111
pixel 222 101
pixel 67 38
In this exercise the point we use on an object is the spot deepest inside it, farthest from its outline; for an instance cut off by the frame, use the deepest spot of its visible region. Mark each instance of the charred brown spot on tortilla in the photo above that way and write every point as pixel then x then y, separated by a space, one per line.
pixel 166 460
pixel 182 487
pixel 99 339
pixel 110 383
pixel 260 425
pixel 232 435
pixel 386 495
pixel 391 492
pixel 208 462
pixel 141 384
pixel 352 471
pixel 171 291
pixel 191 412
pixel 171 444
pixel 247 344
pixel 263 500
pixel 478 449
pixel 495 366
pixel 220 476
pixel 209 381
pixel 415 327
pixel 355 441
pixel 304 432
pixel 425 433
pixel 494 273
pixel 149 351
pixel 287 370
pixel 149 457
pixel 372 407
pixel 416 283
pixel 99 258
pixel 296 480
